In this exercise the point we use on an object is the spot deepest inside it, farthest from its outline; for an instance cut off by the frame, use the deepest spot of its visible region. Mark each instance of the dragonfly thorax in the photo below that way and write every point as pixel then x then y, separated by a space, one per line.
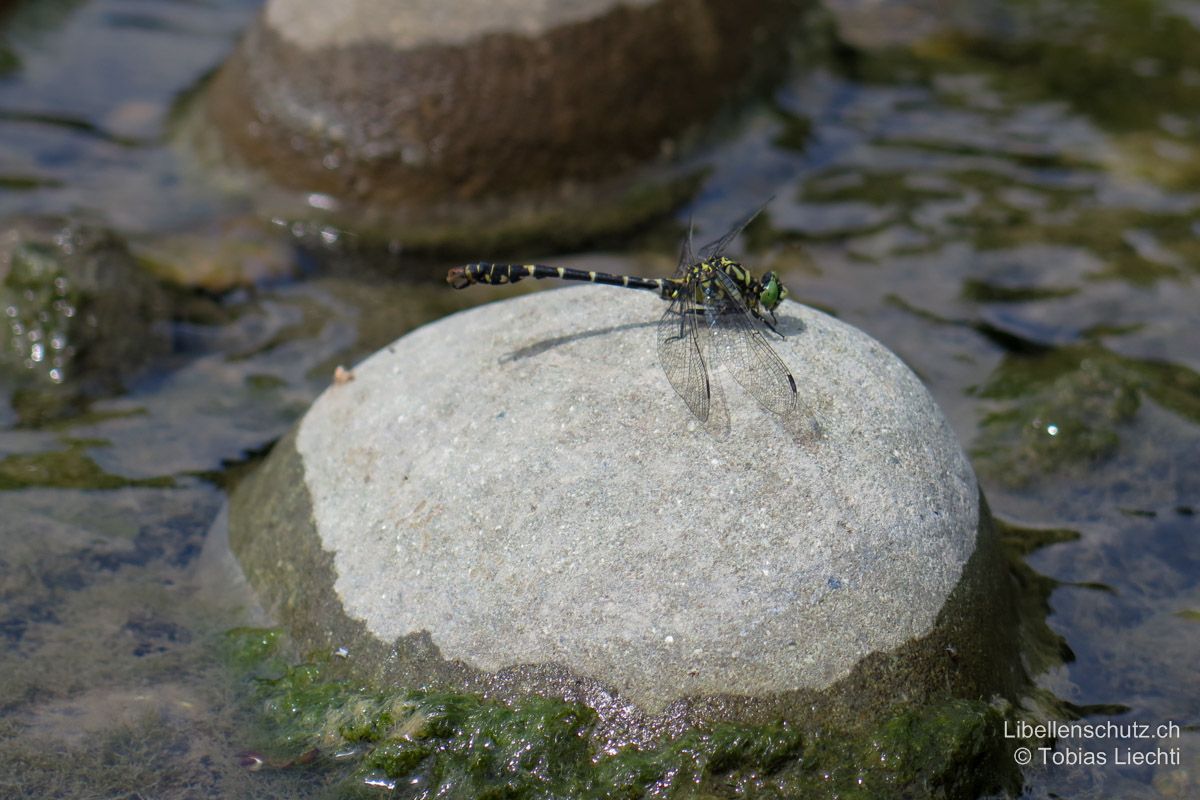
pixel 765 293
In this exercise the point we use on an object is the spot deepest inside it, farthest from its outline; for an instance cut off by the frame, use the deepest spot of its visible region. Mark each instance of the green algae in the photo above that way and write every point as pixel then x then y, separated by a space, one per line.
pixel 1128 68
pixel 249 649
pixel 79 317
pixel 456 744
pixel 1141 52
pixel 69 468
pixel 1042 648
pixel 40 304
pixel 1107 231
pixel 131 760
pixel 1067 406
pixel 948 746
pixel 1095 43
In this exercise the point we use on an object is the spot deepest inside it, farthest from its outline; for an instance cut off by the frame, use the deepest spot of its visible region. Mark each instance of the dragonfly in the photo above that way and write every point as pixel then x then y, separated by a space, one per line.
pixel 718 313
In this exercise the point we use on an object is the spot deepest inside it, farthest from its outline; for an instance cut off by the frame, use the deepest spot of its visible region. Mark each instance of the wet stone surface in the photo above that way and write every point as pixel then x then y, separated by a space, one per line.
pixel 480 123
pixel 80 317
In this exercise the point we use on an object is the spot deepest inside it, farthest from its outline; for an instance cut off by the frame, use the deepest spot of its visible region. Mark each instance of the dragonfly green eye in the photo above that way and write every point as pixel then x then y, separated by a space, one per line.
pixel 772 292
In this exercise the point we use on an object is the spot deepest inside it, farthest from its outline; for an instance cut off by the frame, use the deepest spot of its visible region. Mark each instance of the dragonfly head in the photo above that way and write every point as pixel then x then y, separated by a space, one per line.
pixel 770 291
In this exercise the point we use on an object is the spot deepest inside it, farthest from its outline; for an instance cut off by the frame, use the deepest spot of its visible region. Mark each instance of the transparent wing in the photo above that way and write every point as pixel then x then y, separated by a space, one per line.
pixel 736 340
pixel 679 353
pixel 687 255
pixel 717 247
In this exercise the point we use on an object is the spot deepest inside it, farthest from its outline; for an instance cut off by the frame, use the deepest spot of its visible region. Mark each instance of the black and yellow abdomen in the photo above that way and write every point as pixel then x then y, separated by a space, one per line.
pixel 498 274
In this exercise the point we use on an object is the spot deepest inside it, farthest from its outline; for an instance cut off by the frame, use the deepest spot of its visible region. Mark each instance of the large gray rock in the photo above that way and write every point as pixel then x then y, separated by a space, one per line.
pixel 519 485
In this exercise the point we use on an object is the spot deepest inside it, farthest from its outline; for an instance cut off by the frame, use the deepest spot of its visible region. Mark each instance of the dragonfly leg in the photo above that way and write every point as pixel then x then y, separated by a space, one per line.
pixel 770 325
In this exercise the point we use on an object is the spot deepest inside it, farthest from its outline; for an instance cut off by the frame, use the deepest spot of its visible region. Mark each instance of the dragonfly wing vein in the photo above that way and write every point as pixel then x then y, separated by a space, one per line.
pixel 715 248
pixel 737 342
pixel 679 354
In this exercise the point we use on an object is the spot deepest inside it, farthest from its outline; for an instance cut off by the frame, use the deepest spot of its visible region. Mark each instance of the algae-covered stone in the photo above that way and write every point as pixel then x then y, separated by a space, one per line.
pixel 513 498
pixel 80 316
pixel 455 744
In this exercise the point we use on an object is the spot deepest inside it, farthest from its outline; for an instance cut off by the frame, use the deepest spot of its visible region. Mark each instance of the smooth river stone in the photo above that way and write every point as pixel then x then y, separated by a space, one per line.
pixel 515 496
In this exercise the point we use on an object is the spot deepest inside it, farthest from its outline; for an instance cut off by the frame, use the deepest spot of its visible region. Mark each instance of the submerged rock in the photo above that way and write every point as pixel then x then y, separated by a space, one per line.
pixel 513 499
pixel 80 317
pixel 225 254
pixel 452 124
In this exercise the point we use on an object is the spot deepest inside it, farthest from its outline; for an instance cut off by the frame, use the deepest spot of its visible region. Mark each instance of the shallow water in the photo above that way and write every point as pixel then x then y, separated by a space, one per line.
pixel 1011 203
